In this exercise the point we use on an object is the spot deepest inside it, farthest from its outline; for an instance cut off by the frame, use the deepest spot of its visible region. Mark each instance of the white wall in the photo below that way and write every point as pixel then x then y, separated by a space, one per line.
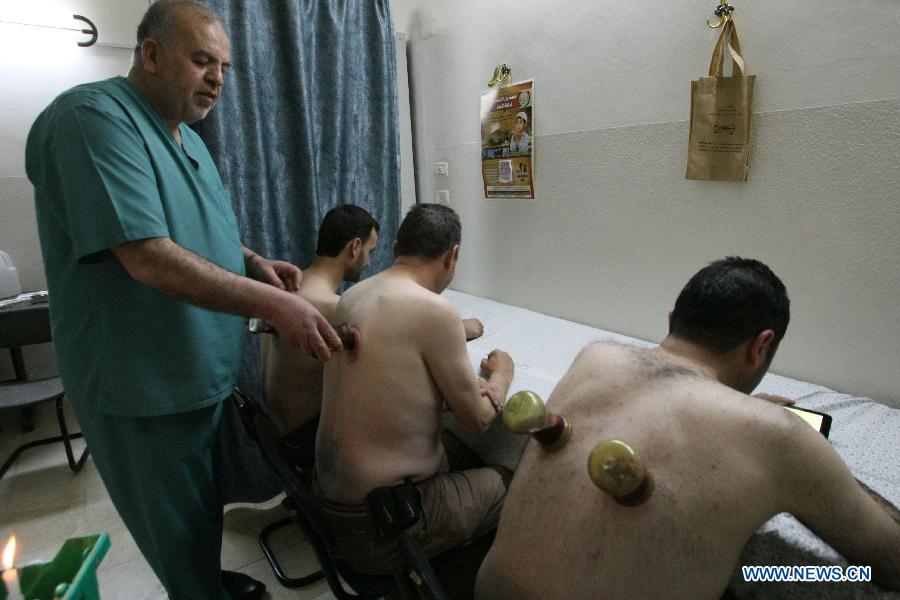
pixel 616 229
pixel 412 17
pixel 44 62
pixel 404 117
pixel 408 17
pixel 35 65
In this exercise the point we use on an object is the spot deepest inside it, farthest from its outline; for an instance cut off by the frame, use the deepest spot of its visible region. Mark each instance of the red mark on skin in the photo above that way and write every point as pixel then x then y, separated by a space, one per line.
pixel 350 337
pixel 556 435
pixel 353 355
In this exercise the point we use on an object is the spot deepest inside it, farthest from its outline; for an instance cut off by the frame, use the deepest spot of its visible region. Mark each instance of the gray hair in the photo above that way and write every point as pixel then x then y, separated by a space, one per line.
pixel 160 22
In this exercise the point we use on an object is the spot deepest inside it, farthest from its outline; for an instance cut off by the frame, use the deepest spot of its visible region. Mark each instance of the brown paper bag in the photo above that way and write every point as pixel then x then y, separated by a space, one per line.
pixel 719 143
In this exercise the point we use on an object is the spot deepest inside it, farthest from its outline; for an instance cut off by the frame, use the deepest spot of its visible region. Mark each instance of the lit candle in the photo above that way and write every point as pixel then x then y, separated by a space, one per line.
pixel 10 574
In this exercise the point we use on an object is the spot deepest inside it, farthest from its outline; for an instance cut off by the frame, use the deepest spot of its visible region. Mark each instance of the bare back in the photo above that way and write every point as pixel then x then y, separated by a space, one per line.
pixel 381 409
pixel 714 455
pixel 292 379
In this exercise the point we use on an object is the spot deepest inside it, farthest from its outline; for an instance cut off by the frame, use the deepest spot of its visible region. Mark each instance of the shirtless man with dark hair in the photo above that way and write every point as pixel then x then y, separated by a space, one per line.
pixel 723 463
pixel 292 379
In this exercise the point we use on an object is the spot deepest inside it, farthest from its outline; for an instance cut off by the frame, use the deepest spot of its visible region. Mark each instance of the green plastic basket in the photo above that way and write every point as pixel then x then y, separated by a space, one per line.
pixel 71 575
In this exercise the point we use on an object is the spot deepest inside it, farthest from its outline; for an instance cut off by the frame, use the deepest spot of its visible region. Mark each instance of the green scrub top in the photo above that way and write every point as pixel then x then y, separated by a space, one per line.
pixel 106 170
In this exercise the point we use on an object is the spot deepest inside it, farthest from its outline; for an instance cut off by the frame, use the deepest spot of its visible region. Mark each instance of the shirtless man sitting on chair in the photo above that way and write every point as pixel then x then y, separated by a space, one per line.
pixel 291 379
pixel 382 402
pixel 722 463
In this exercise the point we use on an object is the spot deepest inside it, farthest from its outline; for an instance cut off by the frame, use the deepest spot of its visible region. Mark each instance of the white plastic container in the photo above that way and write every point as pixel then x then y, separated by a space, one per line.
pixel 9 277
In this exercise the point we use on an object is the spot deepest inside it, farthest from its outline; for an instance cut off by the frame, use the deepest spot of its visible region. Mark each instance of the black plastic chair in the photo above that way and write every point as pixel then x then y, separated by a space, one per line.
pixel 415 578
pixel 21 327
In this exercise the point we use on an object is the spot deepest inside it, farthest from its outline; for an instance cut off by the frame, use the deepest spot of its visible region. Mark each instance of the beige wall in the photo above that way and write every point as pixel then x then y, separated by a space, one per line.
pixel 616 230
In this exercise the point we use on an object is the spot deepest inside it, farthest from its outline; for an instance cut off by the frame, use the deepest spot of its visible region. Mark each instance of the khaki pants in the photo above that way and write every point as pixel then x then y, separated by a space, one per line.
pixel 457 506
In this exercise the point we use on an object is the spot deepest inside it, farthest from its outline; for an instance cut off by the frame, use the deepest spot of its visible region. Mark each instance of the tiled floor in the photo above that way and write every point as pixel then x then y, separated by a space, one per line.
pixel 43 503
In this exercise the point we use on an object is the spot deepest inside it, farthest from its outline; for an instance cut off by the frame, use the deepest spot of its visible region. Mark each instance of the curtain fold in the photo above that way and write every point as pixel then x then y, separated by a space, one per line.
pixel 308 120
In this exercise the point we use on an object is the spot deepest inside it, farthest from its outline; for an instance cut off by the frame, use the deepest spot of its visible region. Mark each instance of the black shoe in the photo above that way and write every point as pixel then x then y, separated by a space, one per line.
pixel 242 587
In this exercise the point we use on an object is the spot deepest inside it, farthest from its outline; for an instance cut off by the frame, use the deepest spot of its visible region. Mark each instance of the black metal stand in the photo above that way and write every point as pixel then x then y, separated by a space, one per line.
pixel 290 582
pixel 65 437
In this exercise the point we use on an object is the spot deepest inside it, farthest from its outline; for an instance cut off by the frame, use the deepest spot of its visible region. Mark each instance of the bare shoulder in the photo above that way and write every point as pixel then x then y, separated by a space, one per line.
pixel 765 421
pixel 325 302
pixel 395 302
pixel 603 360
pixel 441 305
pixel 353 299
pixel 727 409
pixel 798 449
pixel 753 431
pixel 601 353
pixel 416 302
pixel 433 315
pixel 597 370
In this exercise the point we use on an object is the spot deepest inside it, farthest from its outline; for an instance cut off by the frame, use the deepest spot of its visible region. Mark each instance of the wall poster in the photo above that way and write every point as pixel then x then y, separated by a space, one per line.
pixel 507 141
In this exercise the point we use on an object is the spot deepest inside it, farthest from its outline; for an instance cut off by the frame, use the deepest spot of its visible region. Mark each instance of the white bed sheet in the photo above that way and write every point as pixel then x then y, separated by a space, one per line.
pixel 865 433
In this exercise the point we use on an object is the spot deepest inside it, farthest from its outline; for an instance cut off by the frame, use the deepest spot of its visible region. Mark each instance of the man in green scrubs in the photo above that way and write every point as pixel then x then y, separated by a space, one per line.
pixel 147 279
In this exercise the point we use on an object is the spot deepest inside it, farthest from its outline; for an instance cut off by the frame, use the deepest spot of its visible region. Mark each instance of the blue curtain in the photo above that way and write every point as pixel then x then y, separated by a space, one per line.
pixel 308 120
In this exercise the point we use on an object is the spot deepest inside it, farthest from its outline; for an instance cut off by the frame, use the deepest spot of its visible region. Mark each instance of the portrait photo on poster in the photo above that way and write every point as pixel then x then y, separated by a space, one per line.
pixel 507 141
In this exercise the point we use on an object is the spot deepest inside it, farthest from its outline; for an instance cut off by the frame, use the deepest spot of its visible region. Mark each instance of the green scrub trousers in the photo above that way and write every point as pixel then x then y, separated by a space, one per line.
pixel 160 474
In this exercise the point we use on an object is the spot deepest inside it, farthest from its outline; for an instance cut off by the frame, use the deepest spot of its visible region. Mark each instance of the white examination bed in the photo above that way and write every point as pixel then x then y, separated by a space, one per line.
pixel 865 433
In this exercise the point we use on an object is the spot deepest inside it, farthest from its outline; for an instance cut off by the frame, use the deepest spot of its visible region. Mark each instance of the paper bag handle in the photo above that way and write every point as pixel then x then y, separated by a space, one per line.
pixel 728 37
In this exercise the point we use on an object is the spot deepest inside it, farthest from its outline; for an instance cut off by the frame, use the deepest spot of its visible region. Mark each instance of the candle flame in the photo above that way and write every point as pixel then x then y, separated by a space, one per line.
pixel 9 552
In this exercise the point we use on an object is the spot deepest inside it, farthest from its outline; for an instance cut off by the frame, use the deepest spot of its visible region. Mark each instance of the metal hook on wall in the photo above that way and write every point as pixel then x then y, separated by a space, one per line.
pixel 501 74
pixel 723 11
pixel 93 32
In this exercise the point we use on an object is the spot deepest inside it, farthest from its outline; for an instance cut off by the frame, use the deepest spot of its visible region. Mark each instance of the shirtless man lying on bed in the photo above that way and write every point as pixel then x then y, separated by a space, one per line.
pixel 723 463
pixel 382 403
pixel 291 379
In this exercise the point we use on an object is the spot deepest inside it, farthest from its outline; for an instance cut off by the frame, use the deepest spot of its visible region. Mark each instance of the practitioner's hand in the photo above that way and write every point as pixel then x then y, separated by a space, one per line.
pixel 474 329
pixel 279 273
pixel 304 327
pixel 775 399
